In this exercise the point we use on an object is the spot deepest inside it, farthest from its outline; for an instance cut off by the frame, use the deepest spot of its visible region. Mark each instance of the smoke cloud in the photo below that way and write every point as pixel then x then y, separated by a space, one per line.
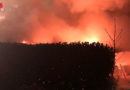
pixel 42 21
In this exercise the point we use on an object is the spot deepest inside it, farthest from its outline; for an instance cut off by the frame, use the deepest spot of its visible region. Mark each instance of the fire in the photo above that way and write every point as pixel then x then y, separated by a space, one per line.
pixel 24 42
pixel 93 39
pixel 27 42
pixel 92 36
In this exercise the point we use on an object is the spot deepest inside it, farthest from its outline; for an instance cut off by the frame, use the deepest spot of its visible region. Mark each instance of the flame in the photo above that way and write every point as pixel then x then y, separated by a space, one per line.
pixel 92 35
pixel 24 42
pixel 93 39
pixel 27 42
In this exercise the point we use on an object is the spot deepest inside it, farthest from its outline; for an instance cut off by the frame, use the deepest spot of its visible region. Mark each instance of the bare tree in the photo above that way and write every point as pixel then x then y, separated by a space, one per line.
pixel 114 39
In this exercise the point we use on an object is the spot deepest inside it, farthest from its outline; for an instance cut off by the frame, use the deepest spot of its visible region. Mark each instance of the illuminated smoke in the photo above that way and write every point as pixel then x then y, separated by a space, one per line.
pixel 41 21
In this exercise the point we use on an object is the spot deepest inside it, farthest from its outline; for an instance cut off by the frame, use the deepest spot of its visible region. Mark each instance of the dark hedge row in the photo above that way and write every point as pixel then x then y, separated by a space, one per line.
pixel 59 66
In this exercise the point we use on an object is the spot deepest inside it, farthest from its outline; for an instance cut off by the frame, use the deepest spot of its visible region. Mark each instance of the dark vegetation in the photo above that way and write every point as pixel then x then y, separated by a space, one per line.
pixel 59 66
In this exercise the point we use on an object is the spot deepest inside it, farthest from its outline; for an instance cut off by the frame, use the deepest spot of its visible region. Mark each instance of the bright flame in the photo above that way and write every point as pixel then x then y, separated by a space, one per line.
pixel 27 42
pixel 93 39
pixel 92 34
pixel 24 42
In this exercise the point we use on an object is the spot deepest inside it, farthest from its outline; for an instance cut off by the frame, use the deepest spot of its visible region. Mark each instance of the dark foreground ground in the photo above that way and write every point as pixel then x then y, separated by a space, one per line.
pixel 75 66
